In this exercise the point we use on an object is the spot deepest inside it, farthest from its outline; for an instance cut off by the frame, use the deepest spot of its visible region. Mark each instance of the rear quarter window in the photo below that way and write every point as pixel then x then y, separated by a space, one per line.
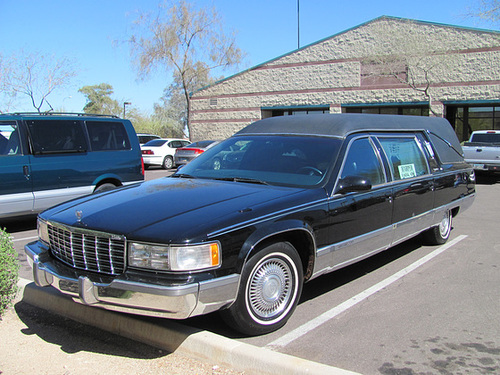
pixel 107 136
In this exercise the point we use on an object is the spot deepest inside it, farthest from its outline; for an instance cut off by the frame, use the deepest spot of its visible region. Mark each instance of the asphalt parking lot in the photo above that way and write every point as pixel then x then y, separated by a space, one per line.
pixel 411 310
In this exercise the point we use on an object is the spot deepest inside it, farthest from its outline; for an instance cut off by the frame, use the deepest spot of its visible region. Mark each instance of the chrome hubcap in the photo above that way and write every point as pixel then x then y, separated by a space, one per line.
pixel 444 226
pixel 270 288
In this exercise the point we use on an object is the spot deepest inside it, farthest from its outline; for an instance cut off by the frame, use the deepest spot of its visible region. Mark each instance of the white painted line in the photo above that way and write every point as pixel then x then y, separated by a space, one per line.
pixel 323 318
pixel 24 239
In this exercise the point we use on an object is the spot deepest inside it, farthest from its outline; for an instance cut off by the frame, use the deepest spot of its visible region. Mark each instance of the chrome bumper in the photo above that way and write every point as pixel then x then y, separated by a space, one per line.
pixel 176 302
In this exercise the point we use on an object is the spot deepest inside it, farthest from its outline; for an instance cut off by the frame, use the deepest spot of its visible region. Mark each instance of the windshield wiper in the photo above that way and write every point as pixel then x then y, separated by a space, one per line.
pixel 243 179
pixel 182 175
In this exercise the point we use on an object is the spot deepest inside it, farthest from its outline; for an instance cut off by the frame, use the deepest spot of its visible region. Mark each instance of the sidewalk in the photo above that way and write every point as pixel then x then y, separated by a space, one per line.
pixel 44 337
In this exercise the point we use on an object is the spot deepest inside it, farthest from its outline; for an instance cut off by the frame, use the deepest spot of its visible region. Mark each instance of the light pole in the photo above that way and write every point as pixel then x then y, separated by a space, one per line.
pixel 124 105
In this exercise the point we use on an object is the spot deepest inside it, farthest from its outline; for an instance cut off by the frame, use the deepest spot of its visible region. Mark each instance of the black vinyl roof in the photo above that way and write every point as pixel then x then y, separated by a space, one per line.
pixel 342 125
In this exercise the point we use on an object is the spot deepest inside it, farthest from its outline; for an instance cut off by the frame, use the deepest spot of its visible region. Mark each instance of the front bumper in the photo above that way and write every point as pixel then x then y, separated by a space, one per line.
pixel 132 296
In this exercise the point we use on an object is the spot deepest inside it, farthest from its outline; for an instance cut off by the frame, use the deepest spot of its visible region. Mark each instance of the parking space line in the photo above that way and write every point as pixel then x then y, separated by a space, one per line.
pixel 24 239
pixel 323 318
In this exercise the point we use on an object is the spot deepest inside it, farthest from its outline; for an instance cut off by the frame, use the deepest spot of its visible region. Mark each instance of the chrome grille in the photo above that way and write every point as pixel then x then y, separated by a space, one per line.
pixel 88 250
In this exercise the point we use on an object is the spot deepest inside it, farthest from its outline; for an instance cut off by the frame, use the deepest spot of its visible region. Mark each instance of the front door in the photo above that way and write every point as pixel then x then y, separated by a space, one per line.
pixel 16 195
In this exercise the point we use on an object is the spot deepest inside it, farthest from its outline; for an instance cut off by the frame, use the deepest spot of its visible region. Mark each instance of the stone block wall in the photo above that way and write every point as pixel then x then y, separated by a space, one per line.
pixel 461 65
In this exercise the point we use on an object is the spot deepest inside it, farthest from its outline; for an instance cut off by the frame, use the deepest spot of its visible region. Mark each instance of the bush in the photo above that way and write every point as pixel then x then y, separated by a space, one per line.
pixel 9 271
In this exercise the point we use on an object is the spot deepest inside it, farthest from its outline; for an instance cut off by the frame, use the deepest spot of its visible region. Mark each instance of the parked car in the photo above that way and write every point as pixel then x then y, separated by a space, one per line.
pixel 184 155
pixel 306 196
pixel 46 159
pixel 161 152
pixel 482 150
pixel 145 138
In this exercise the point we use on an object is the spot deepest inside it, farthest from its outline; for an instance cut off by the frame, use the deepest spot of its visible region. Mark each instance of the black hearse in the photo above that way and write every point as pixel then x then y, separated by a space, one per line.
pixel 244 225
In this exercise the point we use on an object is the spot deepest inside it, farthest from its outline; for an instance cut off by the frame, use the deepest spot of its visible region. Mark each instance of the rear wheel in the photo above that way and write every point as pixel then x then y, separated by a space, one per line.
pixel 270 287
pixel 104 187
pixel 168 162
pixel 439 234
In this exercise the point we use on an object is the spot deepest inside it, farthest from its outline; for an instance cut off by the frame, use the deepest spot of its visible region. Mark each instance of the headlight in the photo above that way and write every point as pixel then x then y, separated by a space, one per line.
pixel 174 258
pixel 43 231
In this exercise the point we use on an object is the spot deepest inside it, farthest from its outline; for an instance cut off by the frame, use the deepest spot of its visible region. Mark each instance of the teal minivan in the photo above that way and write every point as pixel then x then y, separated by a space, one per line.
pixel 49 158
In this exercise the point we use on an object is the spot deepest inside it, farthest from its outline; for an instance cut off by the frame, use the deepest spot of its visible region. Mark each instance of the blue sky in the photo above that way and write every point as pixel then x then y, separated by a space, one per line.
pixel 91 32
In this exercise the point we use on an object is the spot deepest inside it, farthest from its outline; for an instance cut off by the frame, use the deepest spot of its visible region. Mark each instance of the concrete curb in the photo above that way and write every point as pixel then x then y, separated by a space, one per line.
pixel 174 337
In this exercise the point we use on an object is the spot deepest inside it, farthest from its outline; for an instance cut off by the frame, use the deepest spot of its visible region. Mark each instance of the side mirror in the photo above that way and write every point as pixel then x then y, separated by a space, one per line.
pixel 352 184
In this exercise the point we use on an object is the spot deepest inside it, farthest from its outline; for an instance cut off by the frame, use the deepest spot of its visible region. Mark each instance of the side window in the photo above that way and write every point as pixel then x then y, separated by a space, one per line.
pixel 56 136
pixel 361 160
pixel 405 157
pixel 9 139
pixel 107 136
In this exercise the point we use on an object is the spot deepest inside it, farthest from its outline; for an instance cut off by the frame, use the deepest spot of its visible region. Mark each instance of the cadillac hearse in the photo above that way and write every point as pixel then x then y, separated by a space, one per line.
pixel 246 223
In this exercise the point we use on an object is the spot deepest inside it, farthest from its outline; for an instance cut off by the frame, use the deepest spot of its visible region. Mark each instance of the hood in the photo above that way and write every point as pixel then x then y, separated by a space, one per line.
pixel 171 209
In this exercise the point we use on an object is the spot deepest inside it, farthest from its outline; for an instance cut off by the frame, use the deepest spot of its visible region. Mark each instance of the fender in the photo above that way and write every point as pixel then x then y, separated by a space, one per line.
pixel 275 229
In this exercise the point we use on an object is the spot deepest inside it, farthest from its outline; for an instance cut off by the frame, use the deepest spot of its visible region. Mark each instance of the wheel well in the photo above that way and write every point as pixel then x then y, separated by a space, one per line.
pixel 300 240
pixel 113 181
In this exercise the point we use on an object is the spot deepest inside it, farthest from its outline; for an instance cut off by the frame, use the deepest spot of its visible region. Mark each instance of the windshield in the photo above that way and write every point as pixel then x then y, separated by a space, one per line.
pixel 279 160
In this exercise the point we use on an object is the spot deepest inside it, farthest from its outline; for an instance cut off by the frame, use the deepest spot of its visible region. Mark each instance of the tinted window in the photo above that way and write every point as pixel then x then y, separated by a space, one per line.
pixel 156 143
pixel 361 160
pixel 9 139
pixel 405 157
pixel 56 136
pixel 486 137
pixel 107 136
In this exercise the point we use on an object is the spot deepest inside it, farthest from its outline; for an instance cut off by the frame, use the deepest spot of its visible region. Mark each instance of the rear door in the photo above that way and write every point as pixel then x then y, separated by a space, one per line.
pixel 413 185
pixel 16 195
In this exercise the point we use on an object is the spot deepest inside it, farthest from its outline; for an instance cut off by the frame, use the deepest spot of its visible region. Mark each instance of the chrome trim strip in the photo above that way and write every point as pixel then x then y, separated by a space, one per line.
pixel 382 239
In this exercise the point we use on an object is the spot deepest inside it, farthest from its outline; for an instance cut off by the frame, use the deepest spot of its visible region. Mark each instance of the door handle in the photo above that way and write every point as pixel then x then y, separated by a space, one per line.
pixel 26 171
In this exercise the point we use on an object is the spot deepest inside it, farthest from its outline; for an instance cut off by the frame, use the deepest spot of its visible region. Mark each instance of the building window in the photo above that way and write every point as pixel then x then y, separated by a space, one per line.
pixel 293 111
pixel 468 118
pixel 414 110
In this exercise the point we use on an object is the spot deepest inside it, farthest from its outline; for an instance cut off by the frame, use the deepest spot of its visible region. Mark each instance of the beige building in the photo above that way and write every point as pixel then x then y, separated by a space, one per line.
pixel 387 65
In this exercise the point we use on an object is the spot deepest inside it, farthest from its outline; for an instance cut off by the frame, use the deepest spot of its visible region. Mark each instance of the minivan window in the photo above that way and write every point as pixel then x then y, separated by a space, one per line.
pixel 107 136
pixel 362 161
pixel 405 157
pixel 49 137
pixel 9 139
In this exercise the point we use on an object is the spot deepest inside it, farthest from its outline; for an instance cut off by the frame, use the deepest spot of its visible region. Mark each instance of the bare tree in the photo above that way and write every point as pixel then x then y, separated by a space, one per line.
pixel 186 41
pixel 400 54
pixel 37 76
pixel 488 10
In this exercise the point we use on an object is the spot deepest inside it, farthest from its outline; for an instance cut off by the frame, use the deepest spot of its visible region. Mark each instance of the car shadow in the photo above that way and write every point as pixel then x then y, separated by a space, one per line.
pixel 73 337
pixel 487 178
pixel 19 224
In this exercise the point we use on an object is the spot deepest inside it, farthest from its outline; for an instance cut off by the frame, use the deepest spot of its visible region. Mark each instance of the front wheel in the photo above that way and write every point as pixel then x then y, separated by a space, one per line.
pixel 270 287
pixel 439 234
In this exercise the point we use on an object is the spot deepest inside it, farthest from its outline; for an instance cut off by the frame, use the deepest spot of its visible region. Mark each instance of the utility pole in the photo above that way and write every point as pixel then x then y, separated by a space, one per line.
pixel 298 24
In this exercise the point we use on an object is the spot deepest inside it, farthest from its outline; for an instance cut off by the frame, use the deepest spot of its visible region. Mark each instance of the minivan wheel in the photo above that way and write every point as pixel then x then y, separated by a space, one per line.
pixel 168 162
pixel 270 287
pixel 439 234
pixel 104 187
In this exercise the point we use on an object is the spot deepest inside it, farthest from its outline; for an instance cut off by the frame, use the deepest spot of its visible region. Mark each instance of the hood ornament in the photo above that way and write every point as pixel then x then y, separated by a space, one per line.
pixel 79 215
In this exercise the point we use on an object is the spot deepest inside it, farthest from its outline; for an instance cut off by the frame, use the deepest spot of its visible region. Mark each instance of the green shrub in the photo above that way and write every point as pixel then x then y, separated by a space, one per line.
pixel 9 271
